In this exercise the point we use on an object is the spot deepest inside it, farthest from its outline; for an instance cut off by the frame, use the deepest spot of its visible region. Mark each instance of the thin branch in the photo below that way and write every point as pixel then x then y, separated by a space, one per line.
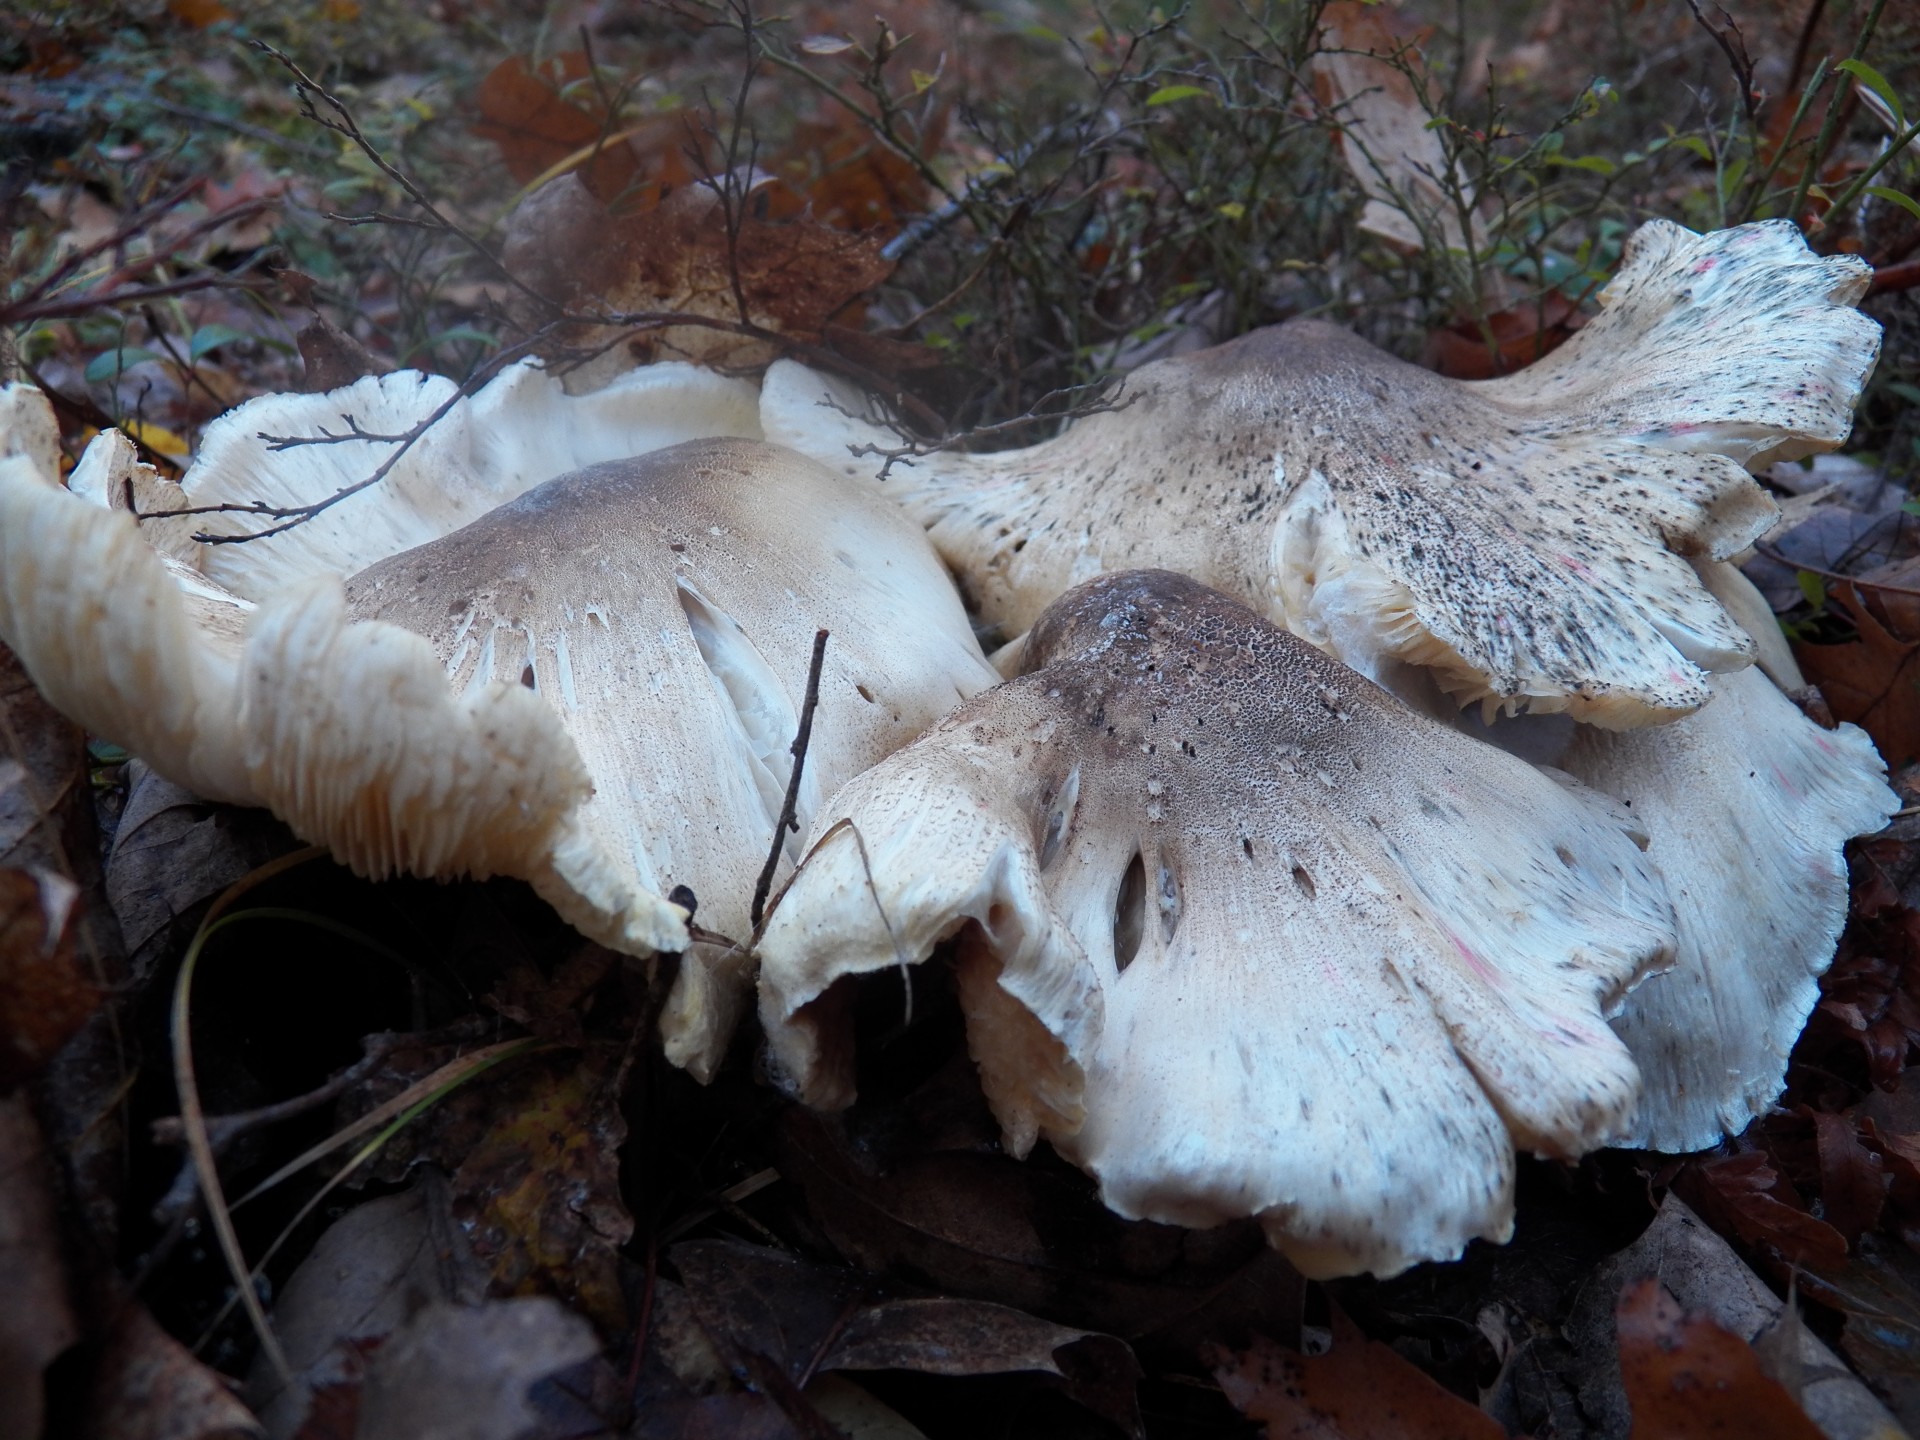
pixel 798 750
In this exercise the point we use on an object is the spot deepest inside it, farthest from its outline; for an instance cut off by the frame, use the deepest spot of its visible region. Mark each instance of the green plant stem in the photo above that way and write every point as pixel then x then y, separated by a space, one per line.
pixel 1831 124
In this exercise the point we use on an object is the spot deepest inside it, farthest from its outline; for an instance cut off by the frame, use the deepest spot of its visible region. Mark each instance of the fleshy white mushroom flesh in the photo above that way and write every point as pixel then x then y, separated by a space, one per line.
pixel 1239 932
pixel 1527 539
pixel 665 676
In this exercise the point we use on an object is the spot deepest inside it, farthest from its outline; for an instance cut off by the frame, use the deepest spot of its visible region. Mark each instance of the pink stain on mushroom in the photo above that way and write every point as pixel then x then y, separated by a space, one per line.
pixel 1481 970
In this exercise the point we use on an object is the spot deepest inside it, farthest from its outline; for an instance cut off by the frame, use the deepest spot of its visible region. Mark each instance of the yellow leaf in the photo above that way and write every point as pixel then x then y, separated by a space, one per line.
pixel 155 437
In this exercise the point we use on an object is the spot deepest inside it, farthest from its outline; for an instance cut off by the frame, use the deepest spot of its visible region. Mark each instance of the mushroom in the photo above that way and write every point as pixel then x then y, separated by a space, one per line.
pixel 591 687
pixel 1238 931
pixel 1526 539
pixel 1748 805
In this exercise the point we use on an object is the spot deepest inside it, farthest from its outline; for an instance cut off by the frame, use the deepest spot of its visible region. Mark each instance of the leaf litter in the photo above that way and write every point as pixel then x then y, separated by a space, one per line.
pixel 576 1240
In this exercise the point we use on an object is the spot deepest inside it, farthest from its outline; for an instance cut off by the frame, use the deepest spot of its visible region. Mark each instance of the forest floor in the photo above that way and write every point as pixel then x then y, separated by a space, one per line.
pixel 441 1105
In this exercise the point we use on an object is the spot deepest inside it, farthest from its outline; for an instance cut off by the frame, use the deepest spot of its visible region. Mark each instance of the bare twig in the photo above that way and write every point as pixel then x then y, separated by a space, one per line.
pixel 911 449
pixel 1780 559
pixel 798 750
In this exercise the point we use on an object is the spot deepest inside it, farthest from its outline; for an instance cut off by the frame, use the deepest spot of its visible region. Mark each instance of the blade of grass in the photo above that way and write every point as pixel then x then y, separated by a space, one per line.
pixel 466 1069
pixel 193 1119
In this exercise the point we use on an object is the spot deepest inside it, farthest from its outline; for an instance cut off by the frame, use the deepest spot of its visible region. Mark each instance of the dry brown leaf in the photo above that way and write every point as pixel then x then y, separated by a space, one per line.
pixel 1358 1390
pixel 535 126
pixel 1688 1379
pixel 1383 126
pixel 679 257
pixel 1027 1235
pixel 149 1387
pixel 539 1194
pixel 1742 1195
pixel 37 1321
pixel 45 994
pixel 1853 1186
pixel 1873 681
pixel 1521 335
pixel 806 1319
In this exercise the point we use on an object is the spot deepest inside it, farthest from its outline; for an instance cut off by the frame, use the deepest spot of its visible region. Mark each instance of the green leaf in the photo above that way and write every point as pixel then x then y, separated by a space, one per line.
pixel 1598 164
pixel 1813 587
pixel 1895 197
pixel 103 368
pixel 1233 209
pixel 211 337
pixel 1168 94
pixel 1878 84
pixel 1910 507
pixel 1908 393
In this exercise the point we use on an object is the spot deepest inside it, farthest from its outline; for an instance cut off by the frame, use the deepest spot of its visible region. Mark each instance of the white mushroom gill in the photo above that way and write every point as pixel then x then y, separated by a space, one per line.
pixel 1276 944
pixel 1527 539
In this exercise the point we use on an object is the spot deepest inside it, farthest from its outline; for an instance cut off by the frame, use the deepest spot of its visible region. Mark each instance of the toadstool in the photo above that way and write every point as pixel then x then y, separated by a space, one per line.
pixel 592 686
pixel 1238 931
pixel 1748 806
pixel 1525 539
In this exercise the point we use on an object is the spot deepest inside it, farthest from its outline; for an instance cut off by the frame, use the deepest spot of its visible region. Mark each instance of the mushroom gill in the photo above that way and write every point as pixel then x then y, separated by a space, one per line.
pixel 1239 932
pixel 1526 539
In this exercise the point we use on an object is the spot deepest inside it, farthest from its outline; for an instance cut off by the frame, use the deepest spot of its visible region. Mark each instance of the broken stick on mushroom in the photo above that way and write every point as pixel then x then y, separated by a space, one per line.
pixel 1526 539
pixel 592 687
pixel 1237 930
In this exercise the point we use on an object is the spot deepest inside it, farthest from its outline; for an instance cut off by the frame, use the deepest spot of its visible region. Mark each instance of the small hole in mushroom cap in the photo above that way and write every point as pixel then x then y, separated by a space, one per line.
pixel 865 694
pixel 1059 819
pixel 526 678
pixel 1169 898
pixel 1566 856
pixel 1130 913
pixel 1247 845
pixel 1304 881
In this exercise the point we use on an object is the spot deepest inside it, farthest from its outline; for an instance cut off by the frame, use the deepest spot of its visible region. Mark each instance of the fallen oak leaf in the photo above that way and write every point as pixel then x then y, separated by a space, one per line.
pixel 526 112
pixel 1853 1185
pixel 1687 1377
pixel 1743 1197
pixel 1358 1390
pixel 683 257
pixel 1873 681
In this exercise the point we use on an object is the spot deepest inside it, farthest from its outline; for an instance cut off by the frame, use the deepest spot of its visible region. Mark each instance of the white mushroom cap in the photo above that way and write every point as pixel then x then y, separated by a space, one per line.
pixel 628 648
pixel 1527 539
pixel 665 609
pixel 1347 958
pixel 518 430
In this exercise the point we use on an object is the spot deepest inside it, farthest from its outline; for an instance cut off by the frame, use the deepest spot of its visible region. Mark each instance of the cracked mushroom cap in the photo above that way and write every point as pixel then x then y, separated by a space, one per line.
pixel 1527 539
pixel 1238 931
pixel 592 687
